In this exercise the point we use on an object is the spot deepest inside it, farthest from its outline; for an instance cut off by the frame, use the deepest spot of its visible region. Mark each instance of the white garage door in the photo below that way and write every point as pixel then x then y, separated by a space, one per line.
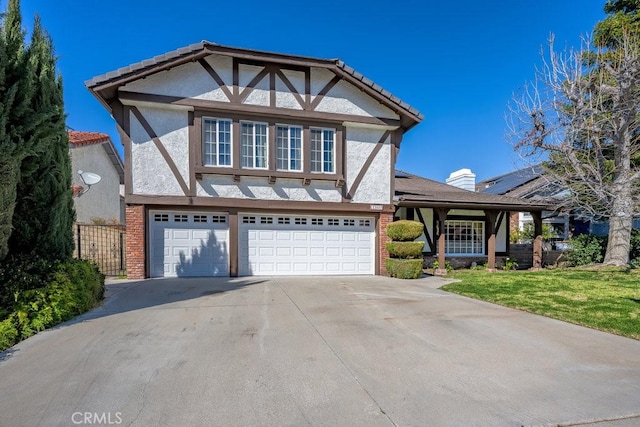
pixel 305 245
pixel 188 244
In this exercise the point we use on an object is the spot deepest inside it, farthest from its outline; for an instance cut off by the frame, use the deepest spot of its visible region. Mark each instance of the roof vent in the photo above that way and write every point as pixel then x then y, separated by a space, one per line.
pixel 463 178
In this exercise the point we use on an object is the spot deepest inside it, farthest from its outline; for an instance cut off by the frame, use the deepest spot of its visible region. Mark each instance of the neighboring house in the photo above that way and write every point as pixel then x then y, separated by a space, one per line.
pixel 94 152
pixel 532 184
pixel 241 162
pixel 461 226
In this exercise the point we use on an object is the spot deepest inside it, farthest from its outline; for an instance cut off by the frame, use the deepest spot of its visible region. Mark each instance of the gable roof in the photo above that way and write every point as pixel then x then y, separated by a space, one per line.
pixel 106 83
pixel 83 139
pixel 413 190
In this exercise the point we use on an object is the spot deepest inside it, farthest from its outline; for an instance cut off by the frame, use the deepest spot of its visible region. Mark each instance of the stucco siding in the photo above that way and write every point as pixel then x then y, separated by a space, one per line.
pixel 151 173
pixel 375 186
pixel 501 235
pixel 103 199
pixel 188 81
pixel 345 98
pixel 260 189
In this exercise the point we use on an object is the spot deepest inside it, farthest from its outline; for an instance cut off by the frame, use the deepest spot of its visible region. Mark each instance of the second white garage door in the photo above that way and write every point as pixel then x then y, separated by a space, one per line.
pixel 306 245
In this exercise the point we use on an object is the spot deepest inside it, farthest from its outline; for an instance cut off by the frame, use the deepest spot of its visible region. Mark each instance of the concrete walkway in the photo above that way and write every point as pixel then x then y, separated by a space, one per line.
pixel 362 351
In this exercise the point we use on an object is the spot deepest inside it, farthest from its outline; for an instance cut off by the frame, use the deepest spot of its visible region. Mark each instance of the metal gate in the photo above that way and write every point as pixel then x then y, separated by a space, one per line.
pixel 104 245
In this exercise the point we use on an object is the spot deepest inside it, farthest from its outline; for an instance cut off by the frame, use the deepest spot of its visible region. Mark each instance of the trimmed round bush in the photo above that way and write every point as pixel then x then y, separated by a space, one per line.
pixel 404 230
pixel 404 268
pixel 405 249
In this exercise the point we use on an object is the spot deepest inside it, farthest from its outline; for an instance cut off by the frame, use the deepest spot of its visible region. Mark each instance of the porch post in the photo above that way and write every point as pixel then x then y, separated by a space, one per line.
pixel 442 216
pixel 492 216
pixel 537 240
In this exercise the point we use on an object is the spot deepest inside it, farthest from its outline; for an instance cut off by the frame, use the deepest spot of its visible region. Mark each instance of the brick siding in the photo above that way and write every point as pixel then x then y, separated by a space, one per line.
pixel 135 244
pixel 385 219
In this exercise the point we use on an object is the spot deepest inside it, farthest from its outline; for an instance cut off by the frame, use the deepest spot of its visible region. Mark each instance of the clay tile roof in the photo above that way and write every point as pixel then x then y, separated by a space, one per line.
pixel 87 138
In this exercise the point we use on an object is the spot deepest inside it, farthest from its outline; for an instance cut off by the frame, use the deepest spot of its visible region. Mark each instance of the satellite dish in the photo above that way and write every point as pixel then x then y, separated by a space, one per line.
pixel 89 179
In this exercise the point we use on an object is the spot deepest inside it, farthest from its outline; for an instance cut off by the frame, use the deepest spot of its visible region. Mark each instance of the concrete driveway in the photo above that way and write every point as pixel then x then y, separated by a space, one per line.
pixel 315 351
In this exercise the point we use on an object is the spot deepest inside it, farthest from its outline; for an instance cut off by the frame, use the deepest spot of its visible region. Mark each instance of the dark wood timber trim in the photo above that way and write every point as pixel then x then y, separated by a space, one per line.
pixel 365 166
pixel 196 144
pixel 211 170
pixel 234 239
pixel 307 89
pixel 217 78
pixel 235 72
pixel 167 158
pixel 334 81
pixel 271 147
pixel 235 144
pixel 252 84
pixel 432 248
pixel 122 117
pixel 306 150
pixel 272 87
pixel 256 110
pixel 292 88
pixel 441 215
pixel 491 218
pixel 272 205
pixel 193 138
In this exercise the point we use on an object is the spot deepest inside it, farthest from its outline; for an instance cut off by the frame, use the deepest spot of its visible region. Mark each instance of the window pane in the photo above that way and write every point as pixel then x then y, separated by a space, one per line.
pixel 328 150
pixel 261 146
pixel 246 143
pixel 282 147
pixel 464 237
pixel 209 142
pixel 316 150
pixel 295 148
pixel 224 142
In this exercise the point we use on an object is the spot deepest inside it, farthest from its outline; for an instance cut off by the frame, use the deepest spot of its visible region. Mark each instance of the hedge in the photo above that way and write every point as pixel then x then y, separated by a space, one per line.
pixel 404 268
pixel 405 249
pixel 404 230
pixel 72 288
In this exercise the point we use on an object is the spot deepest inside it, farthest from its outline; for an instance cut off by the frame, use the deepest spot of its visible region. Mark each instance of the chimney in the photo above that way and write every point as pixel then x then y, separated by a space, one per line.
pixel 463 178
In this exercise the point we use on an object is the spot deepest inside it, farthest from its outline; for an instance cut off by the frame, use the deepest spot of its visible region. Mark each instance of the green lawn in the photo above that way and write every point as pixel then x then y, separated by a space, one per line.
pixel 608 301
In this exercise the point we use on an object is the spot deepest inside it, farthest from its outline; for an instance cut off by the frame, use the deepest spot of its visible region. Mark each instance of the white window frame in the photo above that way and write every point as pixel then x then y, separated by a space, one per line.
pixel 207 157
pixel 464 241
pixel 253 154
pixel 278 149
pixel 322 151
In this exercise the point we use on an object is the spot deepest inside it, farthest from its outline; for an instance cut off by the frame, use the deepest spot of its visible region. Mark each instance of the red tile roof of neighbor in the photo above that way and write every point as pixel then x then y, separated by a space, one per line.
pixel 87 138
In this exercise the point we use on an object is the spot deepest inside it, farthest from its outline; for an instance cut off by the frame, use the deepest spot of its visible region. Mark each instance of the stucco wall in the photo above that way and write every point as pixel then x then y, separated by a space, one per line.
pixel 151 173
pixel 103 199
pixel 375 186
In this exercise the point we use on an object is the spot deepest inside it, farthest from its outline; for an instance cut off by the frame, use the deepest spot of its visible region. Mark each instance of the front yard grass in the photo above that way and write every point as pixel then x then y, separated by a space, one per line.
pixel 608 301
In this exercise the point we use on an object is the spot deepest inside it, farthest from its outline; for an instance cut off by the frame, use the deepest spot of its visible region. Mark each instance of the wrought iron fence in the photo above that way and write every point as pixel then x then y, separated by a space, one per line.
pixel 102 244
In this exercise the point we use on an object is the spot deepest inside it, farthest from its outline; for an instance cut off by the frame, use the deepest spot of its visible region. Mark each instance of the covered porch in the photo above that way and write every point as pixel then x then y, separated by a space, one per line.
pixel 460 224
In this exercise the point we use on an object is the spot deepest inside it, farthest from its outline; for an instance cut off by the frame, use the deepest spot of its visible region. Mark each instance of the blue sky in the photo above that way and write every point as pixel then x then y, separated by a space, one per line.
pixel 458 62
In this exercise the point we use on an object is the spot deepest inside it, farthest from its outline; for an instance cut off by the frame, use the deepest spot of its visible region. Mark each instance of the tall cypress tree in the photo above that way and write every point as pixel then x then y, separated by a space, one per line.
pixel 44 214
pixel 16 123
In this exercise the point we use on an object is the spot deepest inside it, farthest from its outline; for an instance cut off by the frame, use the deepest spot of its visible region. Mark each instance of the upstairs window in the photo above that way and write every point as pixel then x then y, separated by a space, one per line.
pixel 216 140
pixel 289 147
pixel 323 150
pixel 253 140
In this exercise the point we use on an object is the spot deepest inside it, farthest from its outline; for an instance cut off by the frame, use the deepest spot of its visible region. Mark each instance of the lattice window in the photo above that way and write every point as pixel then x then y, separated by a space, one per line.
pixel 221 219
pixel 248 219
pixel 322 150
pixel 300 221
pixel 199 218
pixel 349 222
pixel 364 223
pixel 284 220
pixel 181 218
pixel 464 237
pixel 317 221
pixel 289 147
pixel 161 217
pixel 333 221
pixel 266 220
pixel 216 142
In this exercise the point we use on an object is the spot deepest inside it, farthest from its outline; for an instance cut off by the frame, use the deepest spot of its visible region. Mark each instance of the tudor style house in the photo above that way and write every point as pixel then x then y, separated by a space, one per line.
pixel 241 162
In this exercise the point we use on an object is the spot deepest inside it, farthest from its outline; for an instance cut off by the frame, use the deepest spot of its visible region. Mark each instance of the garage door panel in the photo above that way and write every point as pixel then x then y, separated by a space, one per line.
pixel 187 244
pixel 305 245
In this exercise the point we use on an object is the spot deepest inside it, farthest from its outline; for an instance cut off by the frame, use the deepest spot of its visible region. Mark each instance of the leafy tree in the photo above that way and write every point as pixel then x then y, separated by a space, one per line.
pixel 581 113
pixel 44 213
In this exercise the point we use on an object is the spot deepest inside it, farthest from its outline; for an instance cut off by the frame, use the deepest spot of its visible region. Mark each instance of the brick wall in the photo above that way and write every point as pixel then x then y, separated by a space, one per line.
pixel 385 219
pixel 135 241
